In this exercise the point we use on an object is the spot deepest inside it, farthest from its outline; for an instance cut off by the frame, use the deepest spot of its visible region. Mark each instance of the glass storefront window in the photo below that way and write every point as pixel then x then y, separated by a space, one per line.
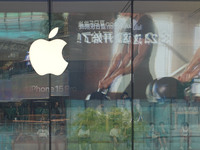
pixel 132 80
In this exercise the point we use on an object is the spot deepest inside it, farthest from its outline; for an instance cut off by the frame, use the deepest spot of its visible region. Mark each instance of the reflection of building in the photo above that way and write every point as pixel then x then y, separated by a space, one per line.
pixel 186 113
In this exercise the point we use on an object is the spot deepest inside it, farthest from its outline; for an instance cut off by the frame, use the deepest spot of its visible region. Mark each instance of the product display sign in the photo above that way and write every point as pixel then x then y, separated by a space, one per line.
pixel 101 51
pixel 101 55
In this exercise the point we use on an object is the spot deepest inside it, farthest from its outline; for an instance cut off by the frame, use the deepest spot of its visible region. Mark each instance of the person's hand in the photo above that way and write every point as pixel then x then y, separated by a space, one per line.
pixel 185 77
pixel 104 83
pixel 100 85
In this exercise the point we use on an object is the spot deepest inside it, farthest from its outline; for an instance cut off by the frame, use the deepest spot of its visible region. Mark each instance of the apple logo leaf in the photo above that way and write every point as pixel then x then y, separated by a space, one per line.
pixel 53 32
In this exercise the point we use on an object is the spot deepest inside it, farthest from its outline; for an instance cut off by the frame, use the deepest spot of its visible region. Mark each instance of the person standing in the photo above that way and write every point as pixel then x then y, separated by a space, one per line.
pixel 43 135
pixel 115 134
pixel 162 136
pixel 120 63
pixel 185 134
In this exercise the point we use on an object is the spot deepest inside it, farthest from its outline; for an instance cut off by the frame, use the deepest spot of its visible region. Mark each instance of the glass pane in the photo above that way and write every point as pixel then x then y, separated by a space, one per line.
pixel 90 104
pixel 106 126
pixel 21 118
pixel 18 79
pixel 93 113
pixel 92 41
pixel 29 128
pixel 167 73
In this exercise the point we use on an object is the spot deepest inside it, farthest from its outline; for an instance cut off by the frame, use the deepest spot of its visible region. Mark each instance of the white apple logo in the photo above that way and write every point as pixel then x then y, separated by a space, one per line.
pixel 46 56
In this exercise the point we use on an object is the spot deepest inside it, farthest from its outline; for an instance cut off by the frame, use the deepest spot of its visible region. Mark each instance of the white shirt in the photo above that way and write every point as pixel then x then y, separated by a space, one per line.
pixel 83 133
pixel 114 132
pixel 185 132
pixel 43 133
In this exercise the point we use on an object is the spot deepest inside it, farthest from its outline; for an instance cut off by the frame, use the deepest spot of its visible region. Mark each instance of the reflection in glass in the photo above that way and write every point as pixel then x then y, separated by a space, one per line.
pixel 165 114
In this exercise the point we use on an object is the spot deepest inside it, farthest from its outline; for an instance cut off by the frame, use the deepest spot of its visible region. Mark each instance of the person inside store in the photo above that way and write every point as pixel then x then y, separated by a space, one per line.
pixel 127 134
pixel 120 63
pixel 125 101
pixel 185 136
pixel 152 137
pixel 125 96
pixel 56 111
pixel 115 135
pixel 192 69
pixel 84 137
pixel 137 109
pixel 60 136
pixel 43 135
pixel 10 112
pixel 162 131
pixel 42 108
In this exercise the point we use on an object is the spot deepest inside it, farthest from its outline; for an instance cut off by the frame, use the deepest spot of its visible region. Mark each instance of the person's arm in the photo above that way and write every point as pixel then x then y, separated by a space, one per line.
pixel 124 132
pixel 165 131
pixel 79 133
pixel 195 60
pixel 190 132
pixel 142 51
pixel 47 133
pixel 162 130
pixel 123 69
pixel 87 133
pixel 114 66
pixel 192 69
pixel 181 132
pixel 188 75
pixel 57 132
pixel 38 132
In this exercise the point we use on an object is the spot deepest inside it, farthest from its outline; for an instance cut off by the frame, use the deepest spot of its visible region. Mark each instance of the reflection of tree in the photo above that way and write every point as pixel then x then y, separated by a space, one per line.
pixel 123 116
pixel 91 118
pixel 119 116
pixel 104 121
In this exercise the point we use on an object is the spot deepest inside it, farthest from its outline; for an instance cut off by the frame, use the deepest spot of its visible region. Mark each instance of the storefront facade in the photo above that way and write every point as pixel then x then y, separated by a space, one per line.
pixel 128 79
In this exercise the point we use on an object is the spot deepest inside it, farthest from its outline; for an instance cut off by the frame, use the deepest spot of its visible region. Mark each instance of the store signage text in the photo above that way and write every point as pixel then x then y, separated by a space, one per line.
pixel 101 37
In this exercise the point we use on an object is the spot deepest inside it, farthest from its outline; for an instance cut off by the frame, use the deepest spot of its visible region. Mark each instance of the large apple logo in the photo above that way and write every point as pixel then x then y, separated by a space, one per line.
pixel 46 56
